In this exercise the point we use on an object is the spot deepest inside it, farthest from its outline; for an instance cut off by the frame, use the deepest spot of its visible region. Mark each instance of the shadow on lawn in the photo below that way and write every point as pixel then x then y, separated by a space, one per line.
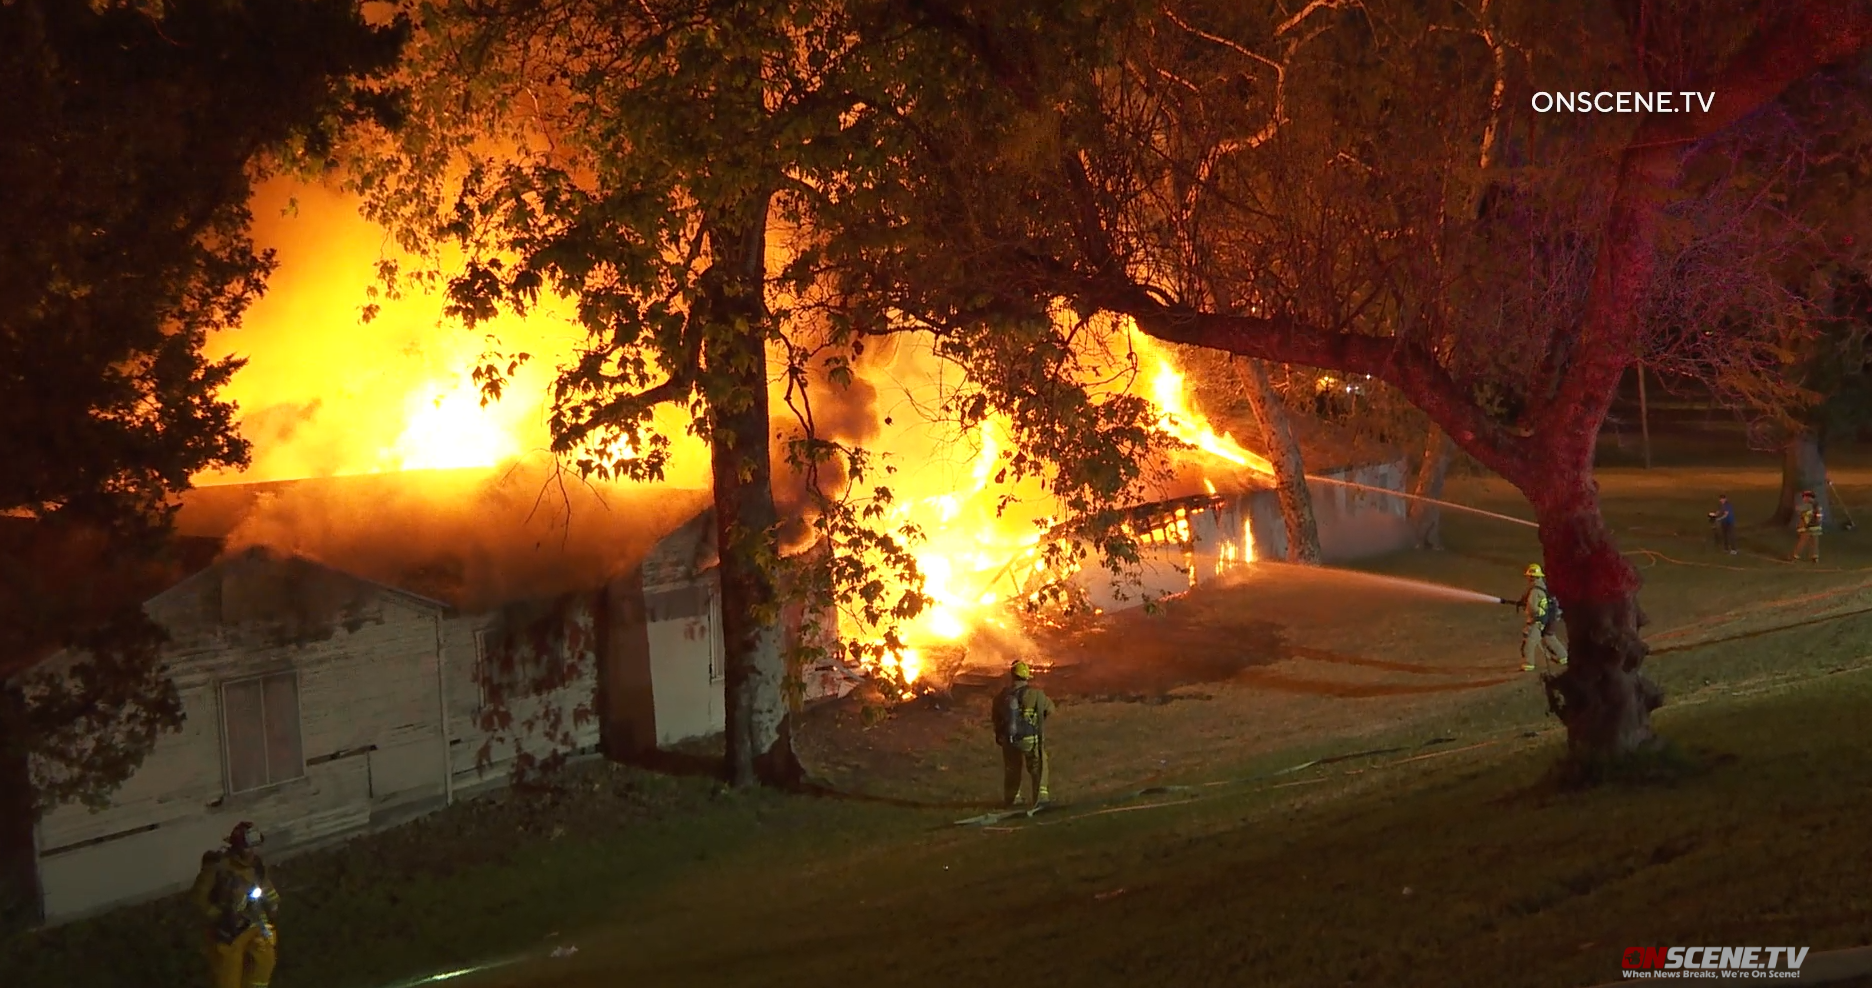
pixel 827 791
pixel 1665 765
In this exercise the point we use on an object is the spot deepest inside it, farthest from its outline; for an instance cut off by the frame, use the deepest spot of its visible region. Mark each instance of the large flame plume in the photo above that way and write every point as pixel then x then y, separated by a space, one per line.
pixel 1170 393
pixel 328 394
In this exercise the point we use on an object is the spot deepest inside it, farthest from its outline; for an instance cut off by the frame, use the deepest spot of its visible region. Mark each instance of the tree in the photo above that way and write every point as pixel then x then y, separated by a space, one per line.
pixel 1296 500
pixel 1060 201
pixel 135 133
pixel 1776 267
pixel 650 161
pixel 1836 369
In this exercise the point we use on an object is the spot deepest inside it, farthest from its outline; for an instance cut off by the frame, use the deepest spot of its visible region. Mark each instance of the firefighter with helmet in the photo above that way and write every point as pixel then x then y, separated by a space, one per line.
pixel 239 908
pixel 1020 715
pixel 1540 612
pixel 1807 531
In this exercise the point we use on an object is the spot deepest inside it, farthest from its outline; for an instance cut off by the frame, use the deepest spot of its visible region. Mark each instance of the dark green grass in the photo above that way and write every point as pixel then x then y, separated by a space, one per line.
pixel 1759 834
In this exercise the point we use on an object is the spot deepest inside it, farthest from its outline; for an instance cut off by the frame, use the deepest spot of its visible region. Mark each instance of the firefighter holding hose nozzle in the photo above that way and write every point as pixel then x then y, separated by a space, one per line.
pixel 1540 612
pixel 1020 713
pixel 239 907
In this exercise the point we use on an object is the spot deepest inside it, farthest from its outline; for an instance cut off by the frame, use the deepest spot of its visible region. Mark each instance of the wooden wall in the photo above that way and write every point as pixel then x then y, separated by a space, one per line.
pixel 390 704
pixel 369 728
pixel 468 738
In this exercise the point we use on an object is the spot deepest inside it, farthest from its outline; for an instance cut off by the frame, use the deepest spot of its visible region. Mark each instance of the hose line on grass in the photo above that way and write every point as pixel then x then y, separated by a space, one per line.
pixel 1743 569
pixel 1115 804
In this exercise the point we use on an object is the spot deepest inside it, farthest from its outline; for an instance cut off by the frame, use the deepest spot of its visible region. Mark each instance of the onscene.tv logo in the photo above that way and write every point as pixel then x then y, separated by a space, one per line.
pixel 1714 962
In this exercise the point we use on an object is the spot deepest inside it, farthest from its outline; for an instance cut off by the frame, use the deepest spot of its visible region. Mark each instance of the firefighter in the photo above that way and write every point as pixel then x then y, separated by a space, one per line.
pixel 1021 712
pixel 1723 519
pixel 1807 531
pixel 239 908
pixel 1541 613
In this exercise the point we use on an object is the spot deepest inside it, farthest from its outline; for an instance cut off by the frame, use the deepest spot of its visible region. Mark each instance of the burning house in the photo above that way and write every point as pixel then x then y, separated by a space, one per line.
pixel 341 674
pixel 1192 540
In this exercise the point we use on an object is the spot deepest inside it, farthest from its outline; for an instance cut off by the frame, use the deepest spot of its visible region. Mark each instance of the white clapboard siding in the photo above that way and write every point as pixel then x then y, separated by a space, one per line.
pixel 148 864
pixel 366 681
pixel 345 818
pixel 467 738
pixel 389 706
pixel 688 704
pixel 412 767
pixel 377 686
pixel 178 780
pixel 290 813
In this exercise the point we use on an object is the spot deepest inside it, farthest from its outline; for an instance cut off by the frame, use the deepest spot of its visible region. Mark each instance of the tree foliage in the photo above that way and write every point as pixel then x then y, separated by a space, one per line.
pixel 653 163
pixel 1302 188
pixel 134 139
pixel 689 175
pixel 1762 298
pixel 1029 184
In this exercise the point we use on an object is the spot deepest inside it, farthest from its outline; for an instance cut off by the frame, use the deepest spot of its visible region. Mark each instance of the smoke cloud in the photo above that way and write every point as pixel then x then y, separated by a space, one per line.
pixel 476 539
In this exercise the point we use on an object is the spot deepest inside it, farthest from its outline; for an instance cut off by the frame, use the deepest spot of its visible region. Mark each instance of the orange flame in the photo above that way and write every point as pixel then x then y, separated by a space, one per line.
pixel 325 394
pixel 1170 395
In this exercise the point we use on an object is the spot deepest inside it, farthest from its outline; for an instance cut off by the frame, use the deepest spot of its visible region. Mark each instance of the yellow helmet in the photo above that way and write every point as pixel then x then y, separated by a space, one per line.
pixel 1023 671
pixel 1535 572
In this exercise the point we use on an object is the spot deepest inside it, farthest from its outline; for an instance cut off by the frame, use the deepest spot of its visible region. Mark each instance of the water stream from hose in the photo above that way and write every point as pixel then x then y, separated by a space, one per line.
pixel 1388 492
pixel 1419 586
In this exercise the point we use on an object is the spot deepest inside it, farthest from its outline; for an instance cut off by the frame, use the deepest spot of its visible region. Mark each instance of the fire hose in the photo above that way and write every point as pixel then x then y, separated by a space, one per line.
pixel 1112 804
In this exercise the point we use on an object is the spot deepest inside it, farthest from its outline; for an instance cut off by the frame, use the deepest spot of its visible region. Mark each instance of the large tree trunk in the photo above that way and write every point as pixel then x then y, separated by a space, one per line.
pixel 1602 696
pixel 759 743
pixel 1603 699
pixel 19 860
pixel 1803 468
pixel 1289 466
pixel 1426 518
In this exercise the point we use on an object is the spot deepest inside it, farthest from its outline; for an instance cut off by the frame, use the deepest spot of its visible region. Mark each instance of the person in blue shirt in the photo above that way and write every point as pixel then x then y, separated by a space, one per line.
pixel 1724 519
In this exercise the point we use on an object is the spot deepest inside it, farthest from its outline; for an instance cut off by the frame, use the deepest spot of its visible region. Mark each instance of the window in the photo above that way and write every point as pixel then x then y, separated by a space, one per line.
pixel 260 721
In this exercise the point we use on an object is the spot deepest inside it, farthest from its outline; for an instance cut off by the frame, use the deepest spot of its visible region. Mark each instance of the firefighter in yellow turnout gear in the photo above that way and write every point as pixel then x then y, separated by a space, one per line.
pixel 1541 613
pixel 1021 712
pixel 1807 531
pixel 239 908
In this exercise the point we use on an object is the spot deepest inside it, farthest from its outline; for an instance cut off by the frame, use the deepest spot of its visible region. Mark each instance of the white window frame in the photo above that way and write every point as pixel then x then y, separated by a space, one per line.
pixel 227 754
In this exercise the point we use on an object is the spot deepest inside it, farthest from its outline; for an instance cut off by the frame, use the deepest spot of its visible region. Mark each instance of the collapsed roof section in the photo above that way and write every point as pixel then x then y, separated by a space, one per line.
pixel 475 539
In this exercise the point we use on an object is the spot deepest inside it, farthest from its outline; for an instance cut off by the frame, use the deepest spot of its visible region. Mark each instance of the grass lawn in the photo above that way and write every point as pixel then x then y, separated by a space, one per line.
pixel 1228 873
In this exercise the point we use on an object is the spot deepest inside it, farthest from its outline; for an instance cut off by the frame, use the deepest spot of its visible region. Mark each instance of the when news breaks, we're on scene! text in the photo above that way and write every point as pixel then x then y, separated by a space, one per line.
pixel 1661 101
pixel 1731 963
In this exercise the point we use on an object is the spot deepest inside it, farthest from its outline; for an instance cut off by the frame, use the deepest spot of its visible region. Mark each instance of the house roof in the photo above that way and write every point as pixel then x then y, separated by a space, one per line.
pixel 474 539
pixel 300 570
pixel 57 577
